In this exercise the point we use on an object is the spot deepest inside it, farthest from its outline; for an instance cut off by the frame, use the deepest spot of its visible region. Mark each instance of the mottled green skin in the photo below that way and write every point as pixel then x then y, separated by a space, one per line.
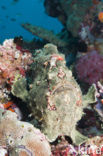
pixel 62 92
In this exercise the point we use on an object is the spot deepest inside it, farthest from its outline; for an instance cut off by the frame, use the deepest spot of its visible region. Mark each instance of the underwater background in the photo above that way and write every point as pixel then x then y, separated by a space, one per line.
pixel 15 12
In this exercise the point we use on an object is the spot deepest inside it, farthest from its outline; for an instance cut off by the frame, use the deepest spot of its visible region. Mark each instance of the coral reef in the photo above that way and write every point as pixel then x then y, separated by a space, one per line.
pixel 19 138
pixel 73 17
pixel 56 104
pixel 67 13
pixel 13 62
pixel 91 28
pixel 92 34
pixel 54 96
pixel 49 91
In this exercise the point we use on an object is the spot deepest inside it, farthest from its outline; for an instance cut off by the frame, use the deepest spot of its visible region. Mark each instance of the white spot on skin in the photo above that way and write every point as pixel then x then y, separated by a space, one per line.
pixel 66 99
pixel 53 62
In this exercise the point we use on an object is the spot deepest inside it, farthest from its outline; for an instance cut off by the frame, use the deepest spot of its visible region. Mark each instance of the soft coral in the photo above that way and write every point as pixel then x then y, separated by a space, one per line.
pixel 90 67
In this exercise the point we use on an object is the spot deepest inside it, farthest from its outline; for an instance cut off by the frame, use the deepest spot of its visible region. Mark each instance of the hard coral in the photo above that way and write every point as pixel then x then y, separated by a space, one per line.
pixel 21 138
pixel 13 62
pixel 90 67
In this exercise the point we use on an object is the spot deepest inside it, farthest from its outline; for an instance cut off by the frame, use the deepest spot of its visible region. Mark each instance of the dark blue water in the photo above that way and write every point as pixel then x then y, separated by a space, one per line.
pixel 15 12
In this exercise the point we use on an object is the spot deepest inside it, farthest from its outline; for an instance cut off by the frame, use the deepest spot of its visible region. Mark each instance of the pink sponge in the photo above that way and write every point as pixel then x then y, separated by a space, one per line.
pixel 90 67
